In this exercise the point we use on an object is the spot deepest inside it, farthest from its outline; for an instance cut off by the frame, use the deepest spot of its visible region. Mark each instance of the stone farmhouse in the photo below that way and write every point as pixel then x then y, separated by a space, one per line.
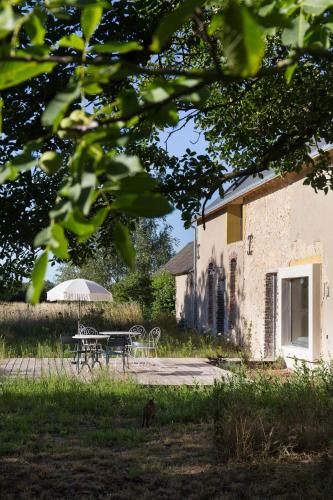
pixel 261 271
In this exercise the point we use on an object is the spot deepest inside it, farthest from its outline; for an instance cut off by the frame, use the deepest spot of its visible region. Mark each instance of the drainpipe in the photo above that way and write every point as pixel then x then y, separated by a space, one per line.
pixel 194 303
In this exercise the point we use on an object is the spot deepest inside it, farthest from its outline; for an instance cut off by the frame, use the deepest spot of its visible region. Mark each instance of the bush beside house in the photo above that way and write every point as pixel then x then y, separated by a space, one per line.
pixel 163 294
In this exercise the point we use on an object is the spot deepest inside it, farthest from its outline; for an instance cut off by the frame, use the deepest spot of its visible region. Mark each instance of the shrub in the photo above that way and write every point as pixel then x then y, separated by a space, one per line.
pixel 163 294
pixel 134 287
pixel 268 416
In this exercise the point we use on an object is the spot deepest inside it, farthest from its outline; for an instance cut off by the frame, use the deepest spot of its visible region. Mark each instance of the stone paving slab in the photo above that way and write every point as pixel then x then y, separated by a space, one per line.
pixel 151 371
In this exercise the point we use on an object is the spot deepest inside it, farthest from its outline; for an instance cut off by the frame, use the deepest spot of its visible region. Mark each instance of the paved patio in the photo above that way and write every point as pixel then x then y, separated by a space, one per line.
pixel 156 371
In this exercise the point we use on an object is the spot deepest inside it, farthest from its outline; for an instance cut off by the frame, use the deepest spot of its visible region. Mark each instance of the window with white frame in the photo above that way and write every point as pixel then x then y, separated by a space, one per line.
pixel 298 315
pixel 295 297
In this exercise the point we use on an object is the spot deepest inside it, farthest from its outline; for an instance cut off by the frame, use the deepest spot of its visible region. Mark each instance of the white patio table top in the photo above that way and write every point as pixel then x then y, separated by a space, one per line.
pixel 82 337
pixel 120 333
pixel 103 335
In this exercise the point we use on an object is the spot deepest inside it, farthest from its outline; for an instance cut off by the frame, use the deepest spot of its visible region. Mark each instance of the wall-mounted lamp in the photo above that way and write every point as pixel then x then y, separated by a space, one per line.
pixel 249 242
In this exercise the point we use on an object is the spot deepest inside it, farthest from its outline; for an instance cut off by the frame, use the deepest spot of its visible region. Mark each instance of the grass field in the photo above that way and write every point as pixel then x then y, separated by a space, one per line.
pixel 35 330
pixel 62 438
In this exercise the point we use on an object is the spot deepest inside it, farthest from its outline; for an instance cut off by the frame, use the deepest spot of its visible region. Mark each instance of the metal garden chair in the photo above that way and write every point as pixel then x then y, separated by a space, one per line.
pixel 153 340
pixel 138 329
pixel 116 346
pixel 89 348
pixel 146 344
pixel 67 340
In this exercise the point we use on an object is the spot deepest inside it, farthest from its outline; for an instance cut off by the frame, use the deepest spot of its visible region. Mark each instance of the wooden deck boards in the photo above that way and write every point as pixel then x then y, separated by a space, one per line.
pixel 154 371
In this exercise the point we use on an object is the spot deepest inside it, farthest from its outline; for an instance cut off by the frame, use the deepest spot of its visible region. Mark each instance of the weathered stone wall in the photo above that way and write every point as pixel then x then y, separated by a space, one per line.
pixel 312 230
pixel 214 253
pixel 285 223
pixel 267 221
pixel 184 299
pixel 211 249
pixel 290 226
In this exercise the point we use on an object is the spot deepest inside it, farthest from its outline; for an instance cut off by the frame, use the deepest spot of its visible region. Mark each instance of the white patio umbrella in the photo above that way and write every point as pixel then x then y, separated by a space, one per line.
pixel 80 290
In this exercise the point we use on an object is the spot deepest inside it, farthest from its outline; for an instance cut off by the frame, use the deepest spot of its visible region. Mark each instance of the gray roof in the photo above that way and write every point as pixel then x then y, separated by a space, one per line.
pixel 244 185
pixel 182 262
pixel 240 188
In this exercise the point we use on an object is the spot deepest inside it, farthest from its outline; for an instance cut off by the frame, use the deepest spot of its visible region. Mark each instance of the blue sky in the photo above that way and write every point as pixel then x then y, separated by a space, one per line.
pixel 177 144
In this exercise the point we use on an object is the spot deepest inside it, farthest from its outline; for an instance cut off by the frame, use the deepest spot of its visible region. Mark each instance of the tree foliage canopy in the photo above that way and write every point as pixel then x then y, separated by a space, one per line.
pixel 154 246
pixel 87 86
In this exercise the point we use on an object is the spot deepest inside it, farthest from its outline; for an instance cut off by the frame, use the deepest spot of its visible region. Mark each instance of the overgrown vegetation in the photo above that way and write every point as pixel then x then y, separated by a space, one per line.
pixel 35 330
pixel 271 416
pixel 164 294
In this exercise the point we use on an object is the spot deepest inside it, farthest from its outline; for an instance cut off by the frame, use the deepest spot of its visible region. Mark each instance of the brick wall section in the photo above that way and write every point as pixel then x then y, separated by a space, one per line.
pixel 270 313
pixel 220 312
pixel 232 299
pixel 210 285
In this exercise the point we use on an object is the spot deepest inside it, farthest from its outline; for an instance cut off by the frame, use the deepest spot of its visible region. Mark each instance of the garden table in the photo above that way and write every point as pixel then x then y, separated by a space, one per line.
pixel 86 349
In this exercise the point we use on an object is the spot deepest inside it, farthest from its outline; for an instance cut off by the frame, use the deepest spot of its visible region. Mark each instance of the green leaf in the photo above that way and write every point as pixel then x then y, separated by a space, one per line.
pixel 243 40
pixel 8 173
pixel 76 223
pixel 54 238
pixel 37 278
pixel 1 108
pixel 289 72
pixel 7 20
pixel 128 102
pixel 104 135
pixel 90 19
pixel 216 24
pixel 60 248
pixel 156 94
pixel 34 27
pixel 118 47
pixel 134 184
pixel 165 115
pixel 172 22
pixel 57 108
pixel 295 36
pixel 24 161
pixel 72 41
pixel 123 244
pixel 316 7
pixel 92 89
pixel 19 163
pixel 82 227
pixel 14 72
pixel 122 166
pixel 50 162
pixel 145 204
pixel 78 4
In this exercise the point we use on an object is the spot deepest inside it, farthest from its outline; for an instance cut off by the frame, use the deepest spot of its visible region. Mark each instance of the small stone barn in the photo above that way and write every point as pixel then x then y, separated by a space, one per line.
pixel 181 266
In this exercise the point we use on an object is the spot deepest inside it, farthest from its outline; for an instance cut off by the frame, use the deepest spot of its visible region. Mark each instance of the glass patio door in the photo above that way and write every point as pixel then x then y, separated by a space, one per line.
pixel 299 311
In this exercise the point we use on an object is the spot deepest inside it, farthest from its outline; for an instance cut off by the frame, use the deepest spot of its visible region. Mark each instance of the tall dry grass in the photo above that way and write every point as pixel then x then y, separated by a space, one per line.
pixel 27 330
pixel 31 331
pixel 268 416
